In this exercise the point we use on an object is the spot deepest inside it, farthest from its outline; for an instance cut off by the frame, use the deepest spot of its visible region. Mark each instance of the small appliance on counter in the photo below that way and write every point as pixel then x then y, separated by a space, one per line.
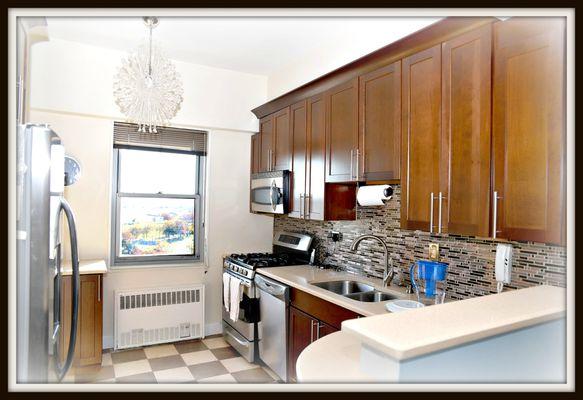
pixel 244 331
pixel 428 279
pixel 270 192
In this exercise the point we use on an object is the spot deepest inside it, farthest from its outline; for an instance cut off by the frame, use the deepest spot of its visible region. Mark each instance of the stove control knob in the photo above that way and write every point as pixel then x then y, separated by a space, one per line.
pixel 244 272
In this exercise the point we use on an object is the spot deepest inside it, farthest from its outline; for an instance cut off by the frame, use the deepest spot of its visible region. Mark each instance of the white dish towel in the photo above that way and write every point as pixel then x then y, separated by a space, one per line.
pixel 235 295
pixel 226 290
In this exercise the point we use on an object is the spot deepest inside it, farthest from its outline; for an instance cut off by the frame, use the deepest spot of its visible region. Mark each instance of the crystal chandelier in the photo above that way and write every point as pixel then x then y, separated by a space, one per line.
pixel 147 88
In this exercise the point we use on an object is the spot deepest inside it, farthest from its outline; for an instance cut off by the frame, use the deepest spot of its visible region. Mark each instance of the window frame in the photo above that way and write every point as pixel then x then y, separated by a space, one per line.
pixel 157 261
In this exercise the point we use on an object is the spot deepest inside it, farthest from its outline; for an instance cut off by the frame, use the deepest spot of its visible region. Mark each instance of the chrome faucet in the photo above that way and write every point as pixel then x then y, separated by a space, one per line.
pixel 389 269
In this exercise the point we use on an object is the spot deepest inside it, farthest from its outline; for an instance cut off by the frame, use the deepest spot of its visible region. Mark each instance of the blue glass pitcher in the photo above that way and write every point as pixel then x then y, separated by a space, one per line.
pixel 425 275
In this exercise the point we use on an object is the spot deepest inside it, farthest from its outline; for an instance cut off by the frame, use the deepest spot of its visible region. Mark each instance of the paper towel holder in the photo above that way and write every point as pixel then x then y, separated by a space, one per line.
pixel 388 192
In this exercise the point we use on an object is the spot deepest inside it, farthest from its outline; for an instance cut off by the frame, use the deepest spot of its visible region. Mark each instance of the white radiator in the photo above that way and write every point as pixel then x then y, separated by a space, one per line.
pixel 158 315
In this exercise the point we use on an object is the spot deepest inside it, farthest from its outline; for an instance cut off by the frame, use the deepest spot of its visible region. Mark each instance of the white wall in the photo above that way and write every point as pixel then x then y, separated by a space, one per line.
pixel 358 40
pixel 78 78
pixel 71 90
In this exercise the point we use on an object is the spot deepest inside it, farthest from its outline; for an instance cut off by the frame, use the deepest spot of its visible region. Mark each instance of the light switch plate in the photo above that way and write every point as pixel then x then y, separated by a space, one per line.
pixel 434 251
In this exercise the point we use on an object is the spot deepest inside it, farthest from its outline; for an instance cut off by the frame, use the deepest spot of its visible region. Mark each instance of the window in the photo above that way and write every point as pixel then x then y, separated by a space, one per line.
pixel 157 207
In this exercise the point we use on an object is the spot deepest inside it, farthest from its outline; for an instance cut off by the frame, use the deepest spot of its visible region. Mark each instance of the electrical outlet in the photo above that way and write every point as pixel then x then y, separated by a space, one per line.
pixel 335 236
pixel 434 251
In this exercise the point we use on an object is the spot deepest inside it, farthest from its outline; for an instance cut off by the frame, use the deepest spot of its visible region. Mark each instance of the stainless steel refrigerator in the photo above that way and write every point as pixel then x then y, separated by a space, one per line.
pixel 39 206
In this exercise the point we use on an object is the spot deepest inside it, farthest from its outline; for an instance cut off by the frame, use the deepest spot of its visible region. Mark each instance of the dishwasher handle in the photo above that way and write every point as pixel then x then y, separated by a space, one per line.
pixel 272 287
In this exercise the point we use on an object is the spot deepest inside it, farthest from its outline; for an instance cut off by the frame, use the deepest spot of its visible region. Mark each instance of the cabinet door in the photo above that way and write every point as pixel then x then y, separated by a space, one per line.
pixel 421 137
pixel 325 329
pixel 255 153
pixel 342 132
pixel 315 184
pixel 302 330
pixel 266 136
pixel 380 123
pixel 299 132
pixel 529 129
pixel 88 345
pixel 281 150
pixel 465 157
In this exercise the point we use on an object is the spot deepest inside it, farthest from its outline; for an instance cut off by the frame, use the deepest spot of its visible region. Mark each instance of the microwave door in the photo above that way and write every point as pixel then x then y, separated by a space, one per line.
pixel 267 199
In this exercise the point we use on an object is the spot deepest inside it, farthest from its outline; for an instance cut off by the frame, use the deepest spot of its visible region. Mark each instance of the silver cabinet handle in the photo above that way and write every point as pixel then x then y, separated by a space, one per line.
pixel 311 331
pixel 440 202
pixel 99 288
pixel 357 177
pixel 431 212
pixel 301 201
pixel 318 326
pixel 307 206
pixel 270 161
pixel 495 199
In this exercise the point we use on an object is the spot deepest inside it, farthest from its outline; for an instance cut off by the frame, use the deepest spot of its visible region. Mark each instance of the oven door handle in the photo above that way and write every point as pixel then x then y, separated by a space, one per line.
pixel 245 282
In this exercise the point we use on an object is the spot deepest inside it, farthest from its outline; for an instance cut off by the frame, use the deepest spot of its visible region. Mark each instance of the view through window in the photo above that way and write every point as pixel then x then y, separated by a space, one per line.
pixel 157 206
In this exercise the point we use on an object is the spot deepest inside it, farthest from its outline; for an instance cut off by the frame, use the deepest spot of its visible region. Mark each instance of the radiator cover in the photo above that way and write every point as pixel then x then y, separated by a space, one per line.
pixel 158 315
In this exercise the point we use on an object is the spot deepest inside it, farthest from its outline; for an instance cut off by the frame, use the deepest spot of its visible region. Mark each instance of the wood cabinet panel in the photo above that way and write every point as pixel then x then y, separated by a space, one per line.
pixel 421 136
pixel 281 151
pixel 301 333
pixel 255 153
pixel 342 132
pixel 266 141
pixel 315 185
pixel 465 143
pixel 529 129
pixel 380 123
pixel 320 309
pixel 300 159
pixel 88 345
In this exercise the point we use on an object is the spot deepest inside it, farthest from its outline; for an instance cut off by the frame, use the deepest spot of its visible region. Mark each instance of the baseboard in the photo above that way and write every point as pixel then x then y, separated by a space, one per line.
pixel 209 330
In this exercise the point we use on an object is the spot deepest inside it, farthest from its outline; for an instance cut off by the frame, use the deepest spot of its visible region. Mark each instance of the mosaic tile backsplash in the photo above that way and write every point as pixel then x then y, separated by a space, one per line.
pixel 470 259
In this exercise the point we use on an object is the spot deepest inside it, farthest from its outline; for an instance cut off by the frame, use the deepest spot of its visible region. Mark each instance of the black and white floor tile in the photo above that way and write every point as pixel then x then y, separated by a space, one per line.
pixel 210 360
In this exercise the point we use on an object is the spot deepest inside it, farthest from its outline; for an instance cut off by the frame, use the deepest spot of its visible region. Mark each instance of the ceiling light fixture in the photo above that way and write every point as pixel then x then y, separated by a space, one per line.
pixel 147 88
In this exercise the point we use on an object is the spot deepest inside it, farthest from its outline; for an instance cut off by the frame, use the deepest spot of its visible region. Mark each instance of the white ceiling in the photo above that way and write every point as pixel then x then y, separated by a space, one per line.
pixel 253 45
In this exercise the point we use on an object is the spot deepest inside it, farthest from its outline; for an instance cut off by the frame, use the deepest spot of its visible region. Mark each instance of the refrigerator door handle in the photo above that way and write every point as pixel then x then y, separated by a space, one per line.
pixel 75 282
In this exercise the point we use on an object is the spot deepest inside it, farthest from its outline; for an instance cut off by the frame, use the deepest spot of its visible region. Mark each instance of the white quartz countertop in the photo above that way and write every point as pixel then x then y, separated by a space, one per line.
pixel 86 267
pixel 301 277
pixel 425 330
pixel 333 358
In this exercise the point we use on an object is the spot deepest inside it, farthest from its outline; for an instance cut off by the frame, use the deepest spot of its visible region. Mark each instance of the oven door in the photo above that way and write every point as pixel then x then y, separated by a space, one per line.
pixel 269 192
pixel 248 309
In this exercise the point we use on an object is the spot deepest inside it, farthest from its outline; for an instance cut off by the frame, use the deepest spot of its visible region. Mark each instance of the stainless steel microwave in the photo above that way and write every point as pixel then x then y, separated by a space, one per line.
pixel 270 192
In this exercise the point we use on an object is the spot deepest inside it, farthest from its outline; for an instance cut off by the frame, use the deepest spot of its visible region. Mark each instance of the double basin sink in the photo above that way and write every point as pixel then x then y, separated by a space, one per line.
pixel 355 290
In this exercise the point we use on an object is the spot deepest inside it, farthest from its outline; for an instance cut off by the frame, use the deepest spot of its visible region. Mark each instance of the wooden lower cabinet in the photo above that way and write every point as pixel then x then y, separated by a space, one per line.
pixel 88 346
pixel 310 318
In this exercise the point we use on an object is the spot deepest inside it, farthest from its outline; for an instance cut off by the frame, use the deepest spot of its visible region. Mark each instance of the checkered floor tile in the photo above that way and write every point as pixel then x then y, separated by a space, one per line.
pixel 210 360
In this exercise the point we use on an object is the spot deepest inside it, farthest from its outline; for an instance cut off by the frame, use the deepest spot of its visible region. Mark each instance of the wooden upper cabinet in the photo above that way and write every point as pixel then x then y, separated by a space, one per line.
pixel 266 141
pixel 465 142
pixel 342 132
pixel 315 185
pixel 299 151
pixel 380 123
pixel 255 153
pixel 421 121
pixel 281 150
pixel 529 129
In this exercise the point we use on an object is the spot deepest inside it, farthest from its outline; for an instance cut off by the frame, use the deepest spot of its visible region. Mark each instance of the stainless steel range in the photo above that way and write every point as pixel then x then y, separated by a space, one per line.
pixel 288 249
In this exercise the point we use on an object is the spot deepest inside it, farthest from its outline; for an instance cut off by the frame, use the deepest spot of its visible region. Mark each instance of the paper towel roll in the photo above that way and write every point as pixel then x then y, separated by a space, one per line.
pixel 373 195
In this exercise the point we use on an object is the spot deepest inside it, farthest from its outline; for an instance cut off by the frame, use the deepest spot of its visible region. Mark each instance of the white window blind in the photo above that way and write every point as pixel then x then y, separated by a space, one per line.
pixel 190 140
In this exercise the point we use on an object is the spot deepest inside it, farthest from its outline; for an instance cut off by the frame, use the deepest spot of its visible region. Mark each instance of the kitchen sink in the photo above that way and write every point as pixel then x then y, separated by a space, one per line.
pixel 344 287
pixel 372 296
pixel 355 290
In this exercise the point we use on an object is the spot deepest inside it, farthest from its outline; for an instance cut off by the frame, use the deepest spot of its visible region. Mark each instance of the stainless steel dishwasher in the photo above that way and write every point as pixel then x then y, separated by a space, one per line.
pixel 272 326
